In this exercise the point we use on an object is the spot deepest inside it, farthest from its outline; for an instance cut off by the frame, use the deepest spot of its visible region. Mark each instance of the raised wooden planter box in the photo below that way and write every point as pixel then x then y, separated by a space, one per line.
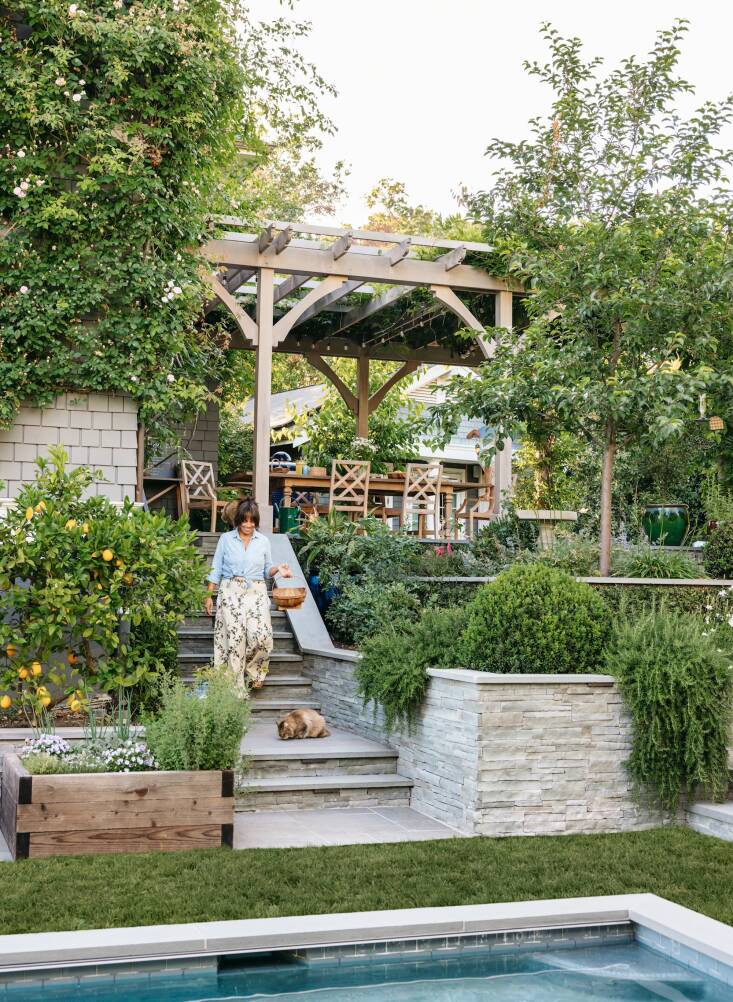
pixel 88 813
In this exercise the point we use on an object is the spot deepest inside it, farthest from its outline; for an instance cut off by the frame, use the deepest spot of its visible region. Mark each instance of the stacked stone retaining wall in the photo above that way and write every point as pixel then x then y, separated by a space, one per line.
pixel 505 754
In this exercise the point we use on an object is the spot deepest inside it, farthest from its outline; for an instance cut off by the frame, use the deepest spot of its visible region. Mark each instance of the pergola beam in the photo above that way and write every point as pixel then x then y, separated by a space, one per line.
pixel 285 324
pixel 328 300
pixel 360 313
pixel 325 369
pixel 447 295
pixel 282 240
pixel 353 264
pixel 290 284
pixel 406 369
pixel 244 321
pixel 377 236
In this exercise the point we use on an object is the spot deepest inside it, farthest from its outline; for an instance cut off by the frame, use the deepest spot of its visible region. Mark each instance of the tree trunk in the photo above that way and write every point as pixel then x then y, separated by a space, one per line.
pixel 609 454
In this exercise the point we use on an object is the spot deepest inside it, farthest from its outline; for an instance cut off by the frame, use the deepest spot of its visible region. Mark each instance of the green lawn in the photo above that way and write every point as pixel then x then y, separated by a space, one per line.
pixel 92 892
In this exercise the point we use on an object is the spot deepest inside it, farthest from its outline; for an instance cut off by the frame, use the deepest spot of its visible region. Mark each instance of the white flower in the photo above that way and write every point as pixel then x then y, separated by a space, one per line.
pixel 24 185
pixel 19 192
pixel 73 9
pixel 82 82
pixel 20 153
pixel 164 299
pixel 60 81
pixel 133 379
pixel 39 184
pixel 170 377
pixel 76 97
pixel 118 4
pixel 177 290
pixel 24 289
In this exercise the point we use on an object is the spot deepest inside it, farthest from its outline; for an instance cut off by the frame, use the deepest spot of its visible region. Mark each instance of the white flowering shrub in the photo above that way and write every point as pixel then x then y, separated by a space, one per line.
pixel 46 744
pixel 128 756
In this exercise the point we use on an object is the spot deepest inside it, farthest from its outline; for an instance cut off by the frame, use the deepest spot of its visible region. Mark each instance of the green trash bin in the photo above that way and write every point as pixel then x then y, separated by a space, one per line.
pixel 289 519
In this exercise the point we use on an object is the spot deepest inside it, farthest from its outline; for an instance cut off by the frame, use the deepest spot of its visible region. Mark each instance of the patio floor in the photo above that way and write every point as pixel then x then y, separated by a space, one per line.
pixel 336 826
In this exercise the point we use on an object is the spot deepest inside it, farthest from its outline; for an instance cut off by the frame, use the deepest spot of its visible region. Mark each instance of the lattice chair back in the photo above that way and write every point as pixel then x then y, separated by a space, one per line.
pixel 349 491
pixel 421 495
pixel 198 480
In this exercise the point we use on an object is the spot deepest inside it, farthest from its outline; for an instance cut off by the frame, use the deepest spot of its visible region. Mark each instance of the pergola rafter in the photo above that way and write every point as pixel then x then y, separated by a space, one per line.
pixel 336 278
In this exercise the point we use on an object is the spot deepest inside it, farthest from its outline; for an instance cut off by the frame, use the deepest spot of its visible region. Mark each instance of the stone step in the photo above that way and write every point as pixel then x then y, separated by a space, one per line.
pixel 711 819
pixel 270 708
pixel 281 663
pixel 200 621
pixel 291 687
pixel 288 793
pixel 202 642
pixel 341 753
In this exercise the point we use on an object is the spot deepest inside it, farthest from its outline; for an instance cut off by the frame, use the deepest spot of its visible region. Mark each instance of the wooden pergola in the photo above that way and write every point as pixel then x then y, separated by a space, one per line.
pixel 321 291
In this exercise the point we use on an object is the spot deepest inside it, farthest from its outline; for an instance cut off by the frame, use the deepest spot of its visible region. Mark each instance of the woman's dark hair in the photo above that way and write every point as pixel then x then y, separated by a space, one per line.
pixel 247 510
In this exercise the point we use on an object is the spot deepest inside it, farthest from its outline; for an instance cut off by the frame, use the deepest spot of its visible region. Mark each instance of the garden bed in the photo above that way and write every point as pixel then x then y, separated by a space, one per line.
pixel 89 813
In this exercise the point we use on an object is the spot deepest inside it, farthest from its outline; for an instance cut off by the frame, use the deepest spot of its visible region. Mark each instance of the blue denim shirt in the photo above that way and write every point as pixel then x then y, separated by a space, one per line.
pixel 233 560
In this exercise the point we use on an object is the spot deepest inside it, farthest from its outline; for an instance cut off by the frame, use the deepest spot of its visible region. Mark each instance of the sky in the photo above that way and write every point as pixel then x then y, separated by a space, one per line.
pixel 423 85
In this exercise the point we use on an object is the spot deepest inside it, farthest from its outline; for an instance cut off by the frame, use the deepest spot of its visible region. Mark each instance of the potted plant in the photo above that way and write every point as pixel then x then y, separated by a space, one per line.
pixel 666 524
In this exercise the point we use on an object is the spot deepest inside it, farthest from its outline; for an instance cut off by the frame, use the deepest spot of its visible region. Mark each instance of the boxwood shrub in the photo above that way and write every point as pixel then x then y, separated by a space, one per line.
pixel 535 618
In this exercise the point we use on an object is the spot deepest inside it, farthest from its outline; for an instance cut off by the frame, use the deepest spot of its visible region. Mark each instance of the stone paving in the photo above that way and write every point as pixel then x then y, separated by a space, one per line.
pixel 350 826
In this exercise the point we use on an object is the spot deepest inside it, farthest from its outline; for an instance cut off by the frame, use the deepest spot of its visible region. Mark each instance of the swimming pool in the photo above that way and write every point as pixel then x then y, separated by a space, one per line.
pixel 531 966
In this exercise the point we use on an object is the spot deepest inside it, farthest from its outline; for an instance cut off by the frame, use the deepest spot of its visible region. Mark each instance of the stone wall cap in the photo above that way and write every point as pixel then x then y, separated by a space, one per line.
pixel 335 653
pixel 503 678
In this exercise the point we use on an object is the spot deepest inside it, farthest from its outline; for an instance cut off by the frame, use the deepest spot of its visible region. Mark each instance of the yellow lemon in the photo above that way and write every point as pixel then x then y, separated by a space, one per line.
pixel 74 705
pixel 85 528
pixel 23 673
pixel 99 586
pixel 36 668
pixel 5 703
pixel 107 555
pixel 71 524
pixel 11 650
pixel 42 690
pixel 119 563
pixel 95 554
pixel 28 514
pixel 71 658
pixel 127 578
pixel 46 701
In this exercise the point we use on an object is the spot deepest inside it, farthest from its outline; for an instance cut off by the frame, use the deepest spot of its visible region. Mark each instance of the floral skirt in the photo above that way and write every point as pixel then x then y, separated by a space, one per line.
pixel 243 630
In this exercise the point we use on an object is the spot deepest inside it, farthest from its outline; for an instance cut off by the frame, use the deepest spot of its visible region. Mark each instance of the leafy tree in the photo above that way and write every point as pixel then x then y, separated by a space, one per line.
pixel 615 218
pixel 124 123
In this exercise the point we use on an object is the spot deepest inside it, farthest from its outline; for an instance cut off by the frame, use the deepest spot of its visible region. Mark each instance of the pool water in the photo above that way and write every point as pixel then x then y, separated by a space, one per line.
pixel 627 972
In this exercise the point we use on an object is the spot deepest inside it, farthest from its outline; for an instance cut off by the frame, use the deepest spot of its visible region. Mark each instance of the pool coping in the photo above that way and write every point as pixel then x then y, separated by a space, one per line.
pixel 38 951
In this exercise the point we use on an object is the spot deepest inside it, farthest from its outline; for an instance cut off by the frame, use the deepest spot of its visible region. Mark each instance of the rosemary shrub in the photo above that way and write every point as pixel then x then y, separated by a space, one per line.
pixel 676 677
pixel 198 733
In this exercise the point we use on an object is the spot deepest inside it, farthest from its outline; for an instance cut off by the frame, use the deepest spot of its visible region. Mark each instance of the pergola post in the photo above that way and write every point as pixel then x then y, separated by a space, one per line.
pixel 362 395
pixel 263 393
pixel 503 458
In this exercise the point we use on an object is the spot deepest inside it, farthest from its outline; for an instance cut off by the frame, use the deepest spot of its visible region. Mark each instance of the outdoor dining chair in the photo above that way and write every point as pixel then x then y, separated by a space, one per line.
pixel 199 488
pixel 349 490
pixel 420 498
pixel 479 509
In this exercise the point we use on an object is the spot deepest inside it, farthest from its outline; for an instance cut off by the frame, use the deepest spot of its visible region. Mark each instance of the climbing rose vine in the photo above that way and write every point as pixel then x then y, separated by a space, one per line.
pixel 122 123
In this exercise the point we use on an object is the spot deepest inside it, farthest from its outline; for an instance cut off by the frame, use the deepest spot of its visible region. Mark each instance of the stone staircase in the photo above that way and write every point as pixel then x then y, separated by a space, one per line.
pixel 343 770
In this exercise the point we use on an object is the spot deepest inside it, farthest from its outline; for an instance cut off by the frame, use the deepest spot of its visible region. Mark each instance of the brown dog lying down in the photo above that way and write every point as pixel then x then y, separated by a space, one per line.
pixel 302 724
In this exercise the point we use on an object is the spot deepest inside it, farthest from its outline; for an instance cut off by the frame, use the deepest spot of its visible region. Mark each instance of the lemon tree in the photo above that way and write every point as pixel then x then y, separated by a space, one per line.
pixel 74 571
